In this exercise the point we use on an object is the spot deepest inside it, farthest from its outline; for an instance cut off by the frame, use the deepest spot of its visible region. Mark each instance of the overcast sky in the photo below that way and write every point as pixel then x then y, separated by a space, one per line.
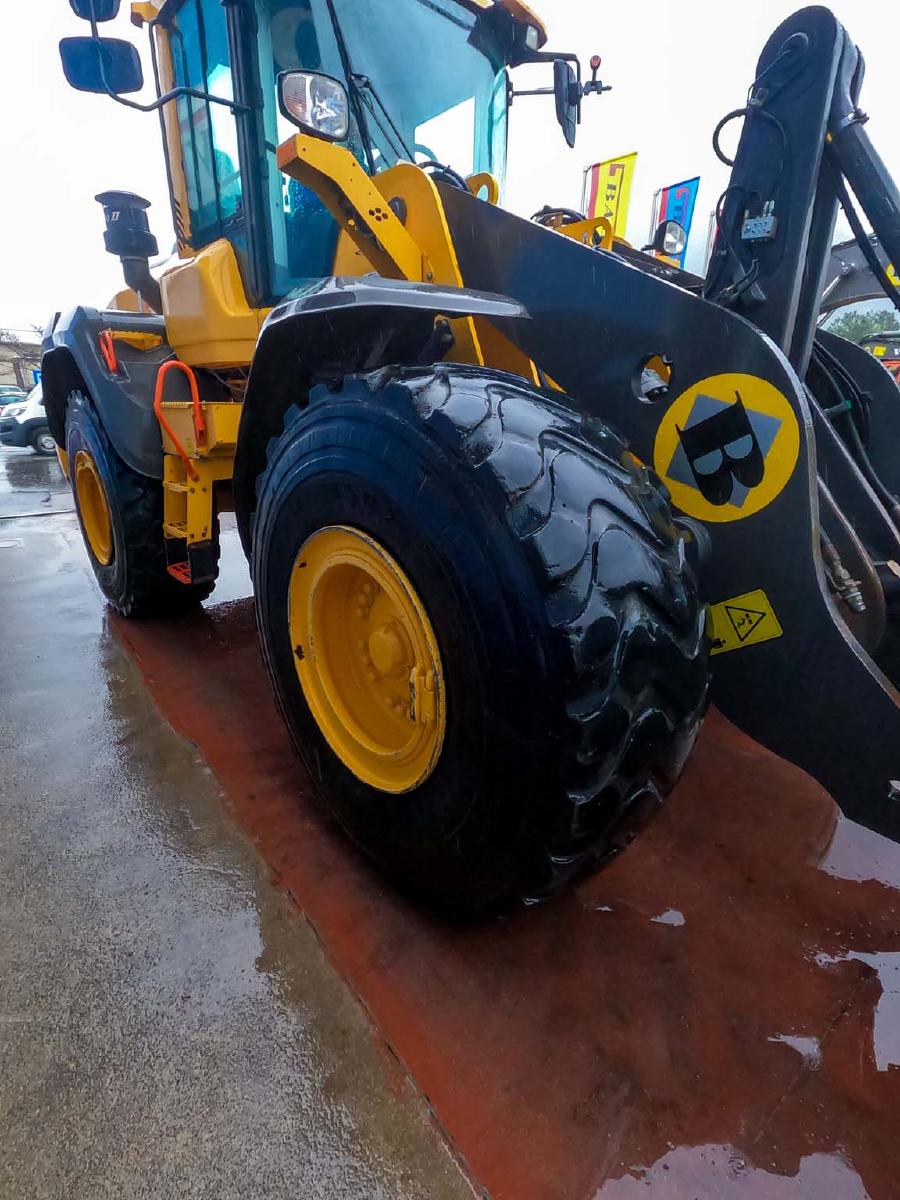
pixel 675 69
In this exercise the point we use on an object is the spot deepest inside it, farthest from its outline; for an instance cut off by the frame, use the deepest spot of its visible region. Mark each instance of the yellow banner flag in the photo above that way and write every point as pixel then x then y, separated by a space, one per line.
pixel 608 190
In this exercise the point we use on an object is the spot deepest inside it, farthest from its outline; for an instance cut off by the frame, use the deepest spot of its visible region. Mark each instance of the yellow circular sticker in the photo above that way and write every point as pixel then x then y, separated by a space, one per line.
pixel 726 447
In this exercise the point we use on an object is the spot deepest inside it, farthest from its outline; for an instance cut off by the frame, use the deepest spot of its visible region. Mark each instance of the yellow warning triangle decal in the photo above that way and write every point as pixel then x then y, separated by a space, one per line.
pixel 743 621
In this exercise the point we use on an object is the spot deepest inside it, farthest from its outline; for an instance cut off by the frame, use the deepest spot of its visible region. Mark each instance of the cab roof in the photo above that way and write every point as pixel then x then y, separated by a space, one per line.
pixel 146 10
pixel 517 9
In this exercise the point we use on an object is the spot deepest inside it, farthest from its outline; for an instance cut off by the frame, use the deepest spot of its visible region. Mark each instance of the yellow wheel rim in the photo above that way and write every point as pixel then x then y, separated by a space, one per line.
pixel 367 659
pixel 93 507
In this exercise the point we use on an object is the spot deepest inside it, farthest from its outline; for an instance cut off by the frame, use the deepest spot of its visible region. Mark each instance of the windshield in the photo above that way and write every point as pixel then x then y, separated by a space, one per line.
pixel 433 95
pixel 421 88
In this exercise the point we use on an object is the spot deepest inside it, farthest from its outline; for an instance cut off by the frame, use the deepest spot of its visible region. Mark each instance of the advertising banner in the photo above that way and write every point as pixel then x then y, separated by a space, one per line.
pixel 676 203
pixel 607 190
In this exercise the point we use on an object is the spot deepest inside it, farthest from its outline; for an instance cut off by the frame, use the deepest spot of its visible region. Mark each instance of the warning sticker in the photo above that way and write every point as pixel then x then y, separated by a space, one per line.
pixel 743 621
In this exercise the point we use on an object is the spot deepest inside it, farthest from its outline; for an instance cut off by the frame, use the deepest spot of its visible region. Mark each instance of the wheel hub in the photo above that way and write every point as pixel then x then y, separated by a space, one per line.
pixel 389 650
pixel 93 508
pixel 367 659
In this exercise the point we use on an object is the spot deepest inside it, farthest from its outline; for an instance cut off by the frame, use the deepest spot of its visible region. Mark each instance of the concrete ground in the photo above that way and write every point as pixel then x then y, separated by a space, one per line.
pixel 169 1023
pixel 187 947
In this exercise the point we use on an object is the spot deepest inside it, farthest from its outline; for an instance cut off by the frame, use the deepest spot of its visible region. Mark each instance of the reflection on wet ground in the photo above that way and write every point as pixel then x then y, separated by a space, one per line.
pixel 722 1173
pixel 31 483
pixel 714 1016
pixel 169 1027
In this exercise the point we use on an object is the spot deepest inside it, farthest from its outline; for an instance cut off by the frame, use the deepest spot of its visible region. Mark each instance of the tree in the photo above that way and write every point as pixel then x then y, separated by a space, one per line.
pixel 856 325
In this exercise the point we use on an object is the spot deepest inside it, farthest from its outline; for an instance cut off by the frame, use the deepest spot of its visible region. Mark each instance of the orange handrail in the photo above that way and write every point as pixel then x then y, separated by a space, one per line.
pixel 197 409
pixel 108 351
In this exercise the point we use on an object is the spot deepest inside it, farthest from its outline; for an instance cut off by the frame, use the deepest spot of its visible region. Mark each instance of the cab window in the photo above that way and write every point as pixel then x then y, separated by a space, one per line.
pixel 296 35
pixel 209 144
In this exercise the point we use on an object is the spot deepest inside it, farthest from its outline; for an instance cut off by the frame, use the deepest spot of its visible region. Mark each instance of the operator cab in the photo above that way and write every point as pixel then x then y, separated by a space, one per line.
pixel 427 82
pixel 456 113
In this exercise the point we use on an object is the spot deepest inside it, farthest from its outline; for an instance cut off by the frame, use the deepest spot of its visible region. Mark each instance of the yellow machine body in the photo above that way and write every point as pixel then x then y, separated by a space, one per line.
pixel 211 326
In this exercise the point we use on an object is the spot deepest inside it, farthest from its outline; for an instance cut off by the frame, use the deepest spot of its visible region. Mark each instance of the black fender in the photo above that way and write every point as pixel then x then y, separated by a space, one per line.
pixel 335 327
pixel 71 359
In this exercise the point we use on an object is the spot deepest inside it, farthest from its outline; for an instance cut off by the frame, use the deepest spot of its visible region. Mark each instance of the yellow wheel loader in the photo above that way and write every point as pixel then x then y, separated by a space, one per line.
pixel 477 462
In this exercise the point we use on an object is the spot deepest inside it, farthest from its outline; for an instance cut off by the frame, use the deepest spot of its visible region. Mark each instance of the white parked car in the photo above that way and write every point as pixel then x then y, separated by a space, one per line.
pixel 25 424
pixel 9 394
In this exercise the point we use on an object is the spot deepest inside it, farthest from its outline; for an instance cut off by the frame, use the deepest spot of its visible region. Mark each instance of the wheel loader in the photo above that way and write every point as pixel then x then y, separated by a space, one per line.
pixel 514 494
pixel 885 346
pixel 851 279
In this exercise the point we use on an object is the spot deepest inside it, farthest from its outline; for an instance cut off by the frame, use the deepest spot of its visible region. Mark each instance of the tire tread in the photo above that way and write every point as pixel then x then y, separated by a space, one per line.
pixel 617 589
pixel 152 591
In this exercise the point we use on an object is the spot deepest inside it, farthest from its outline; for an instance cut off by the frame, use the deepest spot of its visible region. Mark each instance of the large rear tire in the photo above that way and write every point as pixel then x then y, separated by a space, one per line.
pixel 121 518
pixel 572 643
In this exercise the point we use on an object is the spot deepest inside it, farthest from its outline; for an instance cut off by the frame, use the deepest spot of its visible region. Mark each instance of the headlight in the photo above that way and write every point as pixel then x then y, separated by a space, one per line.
pixel 675 239
pixel 670 239
pixel 316 103
pixel 13 410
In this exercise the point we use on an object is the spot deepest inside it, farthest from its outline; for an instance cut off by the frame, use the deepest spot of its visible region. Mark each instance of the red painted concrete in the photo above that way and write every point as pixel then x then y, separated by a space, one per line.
pixel 585 1048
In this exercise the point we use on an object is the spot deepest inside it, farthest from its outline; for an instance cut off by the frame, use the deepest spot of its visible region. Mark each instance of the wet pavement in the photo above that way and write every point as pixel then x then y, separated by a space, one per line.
pixel 715 1017
pixel 31 483
pixel 170 1025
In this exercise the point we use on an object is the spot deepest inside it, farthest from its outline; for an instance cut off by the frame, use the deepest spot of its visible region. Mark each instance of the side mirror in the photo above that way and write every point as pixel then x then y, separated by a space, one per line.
pixel 315 103
pixel 101 65
pixel 95 10
pixel 568 98
pixel 670 239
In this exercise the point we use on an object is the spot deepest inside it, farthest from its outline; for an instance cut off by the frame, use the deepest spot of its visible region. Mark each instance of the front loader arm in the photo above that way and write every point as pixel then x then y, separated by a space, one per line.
pixel 803 141
pixel 787 668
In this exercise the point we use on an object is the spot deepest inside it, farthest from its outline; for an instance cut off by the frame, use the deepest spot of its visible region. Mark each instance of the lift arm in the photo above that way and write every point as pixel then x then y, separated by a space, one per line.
pixel 802 144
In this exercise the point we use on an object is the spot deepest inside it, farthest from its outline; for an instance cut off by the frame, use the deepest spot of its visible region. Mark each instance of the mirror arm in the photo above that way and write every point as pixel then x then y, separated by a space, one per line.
pixel 595 87
pixel 540 56
pixel 174 94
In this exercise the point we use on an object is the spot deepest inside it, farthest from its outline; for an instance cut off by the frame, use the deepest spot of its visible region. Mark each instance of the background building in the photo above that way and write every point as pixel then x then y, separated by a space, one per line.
pixel 20 358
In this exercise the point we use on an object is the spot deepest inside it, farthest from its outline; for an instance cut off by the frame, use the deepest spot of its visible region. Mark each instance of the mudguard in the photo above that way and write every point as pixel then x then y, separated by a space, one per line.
pixel 332 328
pixel 71 359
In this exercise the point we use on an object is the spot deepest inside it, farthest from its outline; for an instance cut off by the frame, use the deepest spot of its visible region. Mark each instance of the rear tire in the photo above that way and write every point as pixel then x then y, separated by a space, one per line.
pixel 135 580
pixel 573 643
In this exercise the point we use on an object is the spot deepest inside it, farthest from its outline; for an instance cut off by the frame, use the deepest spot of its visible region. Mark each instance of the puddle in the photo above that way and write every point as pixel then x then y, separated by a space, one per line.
pixel 858 854
pixel 670 917
pixel 809 1048
pixel 31 483
pixel 886 1029
pixel 234 574
pixel 721 1173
